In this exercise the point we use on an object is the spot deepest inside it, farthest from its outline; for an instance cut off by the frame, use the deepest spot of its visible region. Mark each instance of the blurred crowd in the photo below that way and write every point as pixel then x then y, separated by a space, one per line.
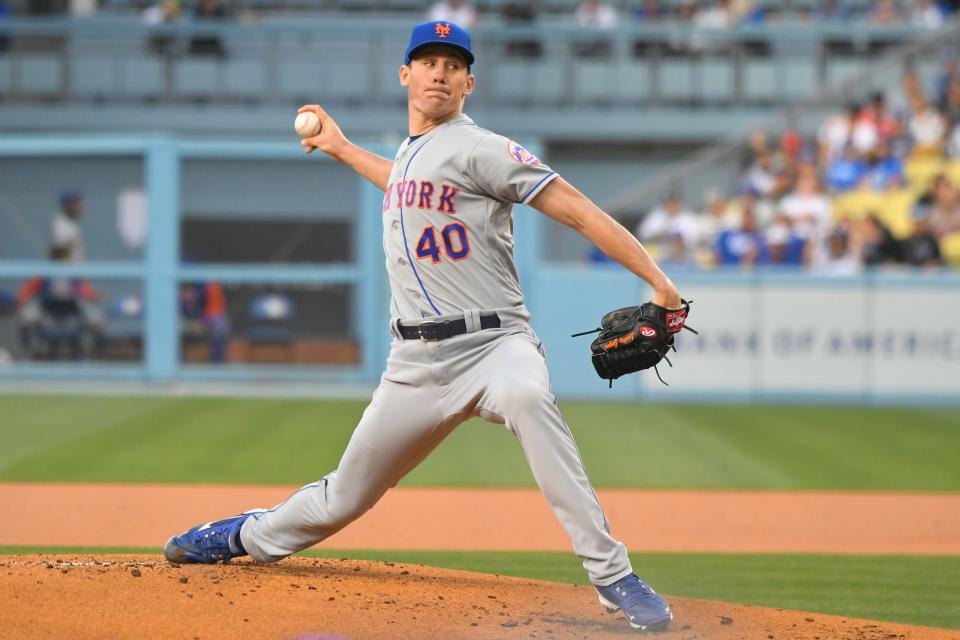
pixel 715 14
pixel 879 185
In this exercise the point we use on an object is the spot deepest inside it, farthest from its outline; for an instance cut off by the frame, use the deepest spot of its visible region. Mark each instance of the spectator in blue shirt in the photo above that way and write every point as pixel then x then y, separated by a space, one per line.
pixel 885 170
pixel 742 247
pixel 845 173
pixel 784 247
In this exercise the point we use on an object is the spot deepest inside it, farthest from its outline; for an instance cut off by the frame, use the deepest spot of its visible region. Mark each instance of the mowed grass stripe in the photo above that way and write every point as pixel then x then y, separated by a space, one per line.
pixel 283 441
pixel 910 589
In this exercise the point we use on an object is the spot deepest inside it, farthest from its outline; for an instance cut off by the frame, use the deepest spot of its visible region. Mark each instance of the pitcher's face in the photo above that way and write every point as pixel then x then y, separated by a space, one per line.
pixel 437 81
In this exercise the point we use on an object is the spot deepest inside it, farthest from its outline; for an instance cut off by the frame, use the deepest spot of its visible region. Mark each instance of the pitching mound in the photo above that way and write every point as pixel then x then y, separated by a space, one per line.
pixel 143 597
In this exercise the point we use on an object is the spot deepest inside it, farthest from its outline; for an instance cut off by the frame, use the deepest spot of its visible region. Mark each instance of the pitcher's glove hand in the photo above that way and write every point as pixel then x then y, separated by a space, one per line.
pixel 636 338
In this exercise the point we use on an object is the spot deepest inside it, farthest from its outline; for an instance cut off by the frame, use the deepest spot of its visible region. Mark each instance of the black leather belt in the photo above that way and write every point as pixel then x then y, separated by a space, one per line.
pixel 430 330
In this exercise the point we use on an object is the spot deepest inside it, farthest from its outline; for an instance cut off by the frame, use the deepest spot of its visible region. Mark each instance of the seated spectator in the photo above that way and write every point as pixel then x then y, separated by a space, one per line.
pixel 921 249
pixel 885 12
pixel 828 10
pixel 835 133
pixel 4 15
pixel 744 246
pixel 953 143
pixel 845 172
pixel 887 126
pixel 927 128
pixel 945 208
pixel 761 178
pixel 950 101
pixel 764 209
pixel 162 12
pixel 925 14
pixel 456 11
pixel 650 11
pixel 521 13
pixel 884 171
pixel 865 134
pixel 595 14
pixel 878 246
pixel 784 247
pixel 687 11
pixel 208 44
pixel 808 211
pixel 711 223
pixel 840 258
pixel 662 227
pixel 715 15
pixel 203 315
pixel 56 314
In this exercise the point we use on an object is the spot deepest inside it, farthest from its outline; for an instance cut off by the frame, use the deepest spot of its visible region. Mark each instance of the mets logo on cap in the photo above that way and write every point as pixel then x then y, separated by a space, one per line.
pixel 521 155
pixel 442 30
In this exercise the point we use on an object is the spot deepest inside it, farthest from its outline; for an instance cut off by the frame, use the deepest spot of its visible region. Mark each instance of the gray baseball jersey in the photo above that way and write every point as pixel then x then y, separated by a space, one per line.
pixel 448 240
pixel 448 224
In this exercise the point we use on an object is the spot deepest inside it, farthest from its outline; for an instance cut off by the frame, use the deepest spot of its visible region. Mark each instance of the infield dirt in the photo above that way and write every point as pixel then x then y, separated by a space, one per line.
pixel 144 597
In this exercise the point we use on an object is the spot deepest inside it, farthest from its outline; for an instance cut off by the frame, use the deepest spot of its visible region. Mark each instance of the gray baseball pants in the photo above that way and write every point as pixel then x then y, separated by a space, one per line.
pixel 427 389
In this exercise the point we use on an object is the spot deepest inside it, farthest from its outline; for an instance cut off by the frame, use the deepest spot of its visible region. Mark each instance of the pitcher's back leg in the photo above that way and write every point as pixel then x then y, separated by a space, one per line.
pixel 402 424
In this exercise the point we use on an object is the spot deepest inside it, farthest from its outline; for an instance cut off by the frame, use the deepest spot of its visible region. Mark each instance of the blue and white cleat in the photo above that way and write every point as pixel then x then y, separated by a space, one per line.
pixel 208 543
pixel 644 609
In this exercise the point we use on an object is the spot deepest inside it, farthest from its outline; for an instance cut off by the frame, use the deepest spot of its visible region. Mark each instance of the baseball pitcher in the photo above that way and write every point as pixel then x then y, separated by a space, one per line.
pixel 462 342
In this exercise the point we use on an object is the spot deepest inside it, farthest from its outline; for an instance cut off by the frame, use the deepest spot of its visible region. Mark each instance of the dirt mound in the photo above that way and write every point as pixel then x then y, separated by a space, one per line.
pixel 141 597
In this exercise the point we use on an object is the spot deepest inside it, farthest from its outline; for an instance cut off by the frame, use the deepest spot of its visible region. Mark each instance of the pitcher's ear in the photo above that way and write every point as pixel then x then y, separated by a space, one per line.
pixel 405 76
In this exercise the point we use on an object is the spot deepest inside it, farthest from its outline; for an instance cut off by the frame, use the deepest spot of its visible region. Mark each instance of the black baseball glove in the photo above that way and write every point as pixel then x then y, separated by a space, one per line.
pixel 636 338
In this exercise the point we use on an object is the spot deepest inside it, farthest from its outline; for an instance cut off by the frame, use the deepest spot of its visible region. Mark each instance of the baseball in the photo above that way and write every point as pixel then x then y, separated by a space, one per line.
pixel 307 124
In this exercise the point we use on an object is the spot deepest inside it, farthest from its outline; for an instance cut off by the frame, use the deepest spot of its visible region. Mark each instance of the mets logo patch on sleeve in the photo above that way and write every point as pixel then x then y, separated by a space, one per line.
pixel 521 155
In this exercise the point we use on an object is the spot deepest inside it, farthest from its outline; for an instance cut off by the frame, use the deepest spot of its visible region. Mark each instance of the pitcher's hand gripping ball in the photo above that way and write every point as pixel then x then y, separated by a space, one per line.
pixel 636 338
pixel 307 124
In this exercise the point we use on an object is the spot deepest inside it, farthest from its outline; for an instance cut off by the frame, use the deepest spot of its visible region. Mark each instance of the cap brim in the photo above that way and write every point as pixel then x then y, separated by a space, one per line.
pixel 443 43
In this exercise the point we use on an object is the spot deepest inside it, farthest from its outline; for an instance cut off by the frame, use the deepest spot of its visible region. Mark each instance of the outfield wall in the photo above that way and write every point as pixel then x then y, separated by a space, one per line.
pixel 873 339
pixel 877 338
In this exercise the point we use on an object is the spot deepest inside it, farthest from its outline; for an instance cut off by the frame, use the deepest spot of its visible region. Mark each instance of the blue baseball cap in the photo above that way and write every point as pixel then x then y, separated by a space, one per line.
pixel 439 32
pixel 68 195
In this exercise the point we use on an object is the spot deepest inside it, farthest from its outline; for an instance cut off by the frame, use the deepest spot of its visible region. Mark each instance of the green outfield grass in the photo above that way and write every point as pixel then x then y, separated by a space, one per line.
pixel 909 589
pixel 230 440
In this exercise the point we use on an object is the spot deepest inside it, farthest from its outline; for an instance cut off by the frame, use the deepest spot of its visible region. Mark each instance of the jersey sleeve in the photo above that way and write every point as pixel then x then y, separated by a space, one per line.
pixel 506 171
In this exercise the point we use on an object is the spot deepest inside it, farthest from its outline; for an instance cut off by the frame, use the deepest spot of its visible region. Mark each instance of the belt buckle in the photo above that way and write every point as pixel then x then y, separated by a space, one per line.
pixel 427 323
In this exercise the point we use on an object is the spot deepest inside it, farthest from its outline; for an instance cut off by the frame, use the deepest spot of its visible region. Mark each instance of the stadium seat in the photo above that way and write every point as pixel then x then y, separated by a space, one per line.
pixel 142 77
pixel 953 172
pixel 921 171
pixel 245 78
pixel 92 76
pixel 195 78
pixel 950 248
pixel 6 75
pixel 894 211
pixel 549 82
pixel 40 75
pixel 592 80
pixel 891 207
pixel 840 70
pixel 632 80
pixel 856 204
pixel 799 78
pixel 676 79
pixel 716 80
pixel 511 82
pixel 759 80
pixel 297 79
